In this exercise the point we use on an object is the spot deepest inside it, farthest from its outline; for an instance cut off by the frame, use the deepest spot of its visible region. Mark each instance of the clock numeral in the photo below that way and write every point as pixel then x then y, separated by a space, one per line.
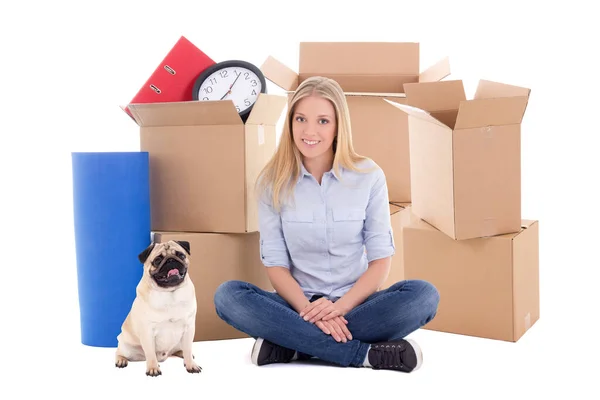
pixel 247 74
pixel 254 83
pixel 235 71
pixel 223 74
pixel 247 102
pixel 213 81
pixel 253 92
pixel 205 98
pixel 208 89
pixel 237 108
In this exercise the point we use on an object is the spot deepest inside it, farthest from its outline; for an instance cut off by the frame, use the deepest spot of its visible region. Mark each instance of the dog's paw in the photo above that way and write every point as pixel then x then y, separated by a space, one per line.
pixel 193 368
pixel 121 362
pixel 153 370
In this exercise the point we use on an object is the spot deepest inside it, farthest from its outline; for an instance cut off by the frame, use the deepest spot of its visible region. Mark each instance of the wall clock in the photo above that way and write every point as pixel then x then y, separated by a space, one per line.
pixel 236 80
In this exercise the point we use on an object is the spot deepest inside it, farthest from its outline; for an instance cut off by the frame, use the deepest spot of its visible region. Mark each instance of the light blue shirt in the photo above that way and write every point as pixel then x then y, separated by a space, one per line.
pixel 331 232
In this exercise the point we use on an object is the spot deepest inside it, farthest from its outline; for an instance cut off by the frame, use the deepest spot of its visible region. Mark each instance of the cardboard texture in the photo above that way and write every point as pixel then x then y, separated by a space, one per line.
pixel 489 287
pixel 465 156
pixel 204 162
pixel 216 258
pixel 368 72
pixel 173 79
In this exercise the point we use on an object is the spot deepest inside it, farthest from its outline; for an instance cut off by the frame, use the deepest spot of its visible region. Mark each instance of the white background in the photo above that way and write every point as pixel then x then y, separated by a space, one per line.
pixel 66 67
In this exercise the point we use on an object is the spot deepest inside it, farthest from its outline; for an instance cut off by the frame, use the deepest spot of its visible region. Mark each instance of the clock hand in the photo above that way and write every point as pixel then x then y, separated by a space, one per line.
pixel 229 91
pixel 235 81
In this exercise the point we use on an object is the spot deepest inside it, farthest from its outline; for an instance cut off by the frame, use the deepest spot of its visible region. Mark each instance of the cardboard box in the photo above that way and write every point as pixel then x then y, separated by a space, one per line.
pixel 174 78
pixel 204 162
pixel 465 156
pixel 216 258
pixel 368 72
pixel 489 287
pixel 400 216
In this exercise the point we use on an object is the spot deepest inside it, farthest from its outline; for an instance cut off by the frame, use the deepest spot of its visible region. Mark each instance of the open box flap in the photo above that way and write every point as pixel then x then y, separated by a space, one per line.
pixel 267 109
pixel 186 113
pixel 417 113
pixel 491 112
pixel 488 90
pixel 279 74
pixel 359 58
pixel 435 96
pixel 436 72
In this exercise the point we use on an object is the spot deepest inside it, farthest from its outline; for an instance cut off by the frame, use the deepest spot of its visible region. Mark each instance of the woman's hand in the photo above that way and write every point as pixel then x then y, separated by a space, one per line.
pixel 336 327
pixel 321 308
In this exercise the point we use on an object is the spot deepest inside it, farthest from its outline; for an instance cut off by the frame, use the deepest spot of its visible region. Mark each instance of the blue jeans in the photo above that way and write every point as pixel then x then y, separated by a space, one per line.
pixel 389 314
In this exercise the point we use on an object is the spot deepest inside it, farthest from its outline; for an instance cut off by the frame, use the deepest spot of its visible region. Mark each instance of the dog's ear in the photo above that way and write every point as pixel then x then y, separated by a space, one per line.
pixel 185 244
pixel 143 256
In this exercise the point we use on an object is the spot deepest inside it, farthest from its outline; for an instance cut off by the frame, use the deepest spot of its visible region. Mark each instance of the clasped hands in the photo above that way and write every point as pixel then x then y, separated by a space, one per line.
pixel 329 317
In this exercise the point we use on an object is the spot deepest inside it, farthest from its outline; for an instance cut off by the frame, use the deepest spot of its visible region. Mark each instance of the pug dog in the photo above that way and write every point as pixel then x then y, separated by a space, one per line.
pixel 161 321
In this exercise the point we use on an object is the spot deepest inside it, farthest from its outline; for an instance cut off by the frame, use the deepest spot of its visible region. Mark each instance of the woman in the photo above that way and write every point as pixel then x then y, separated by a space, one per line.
pixel 326 242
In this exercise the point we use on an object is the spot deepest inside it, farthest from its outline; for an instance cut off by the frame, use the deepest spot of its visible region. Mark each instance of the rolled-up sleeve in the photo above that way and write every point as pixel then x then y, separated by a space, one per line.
pixel 273 249
pixel 378 234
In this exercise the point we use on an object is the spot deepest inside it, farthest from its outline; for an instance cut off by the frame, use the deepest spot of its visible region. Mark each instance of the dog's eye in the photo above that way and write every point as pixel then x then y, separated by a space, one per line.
pixel 157 260
pixel 180 255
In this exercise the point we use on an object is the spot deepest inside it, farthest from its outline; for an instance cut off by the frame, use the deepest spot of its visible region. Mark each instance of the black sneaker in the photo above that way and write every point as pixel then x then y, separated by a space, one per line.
pixel 265 352
pixel 402 355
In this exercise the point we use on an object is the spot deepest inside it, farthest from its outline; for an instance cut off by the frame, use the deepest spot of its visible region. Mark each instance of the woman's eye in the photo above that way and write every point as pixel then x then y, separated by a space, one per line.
pixel 323 121
pixel 299 119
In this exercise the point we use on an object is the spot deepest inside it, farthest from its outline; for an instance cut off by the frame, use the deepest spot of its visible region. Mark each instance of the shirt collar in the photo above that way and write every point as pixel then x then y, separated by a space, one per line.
pixel 304 172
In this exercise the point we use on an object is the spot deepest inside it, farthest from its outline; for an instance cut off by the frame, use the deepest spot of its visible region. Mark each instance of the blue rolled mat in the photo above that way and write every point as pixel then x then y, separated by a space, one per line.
pixel 111 205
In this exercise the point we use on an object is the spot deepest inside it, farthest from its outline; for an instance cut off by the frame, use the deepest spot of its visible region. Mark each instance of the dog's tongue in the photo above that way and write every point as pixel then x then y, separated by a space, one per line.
pixel 174 271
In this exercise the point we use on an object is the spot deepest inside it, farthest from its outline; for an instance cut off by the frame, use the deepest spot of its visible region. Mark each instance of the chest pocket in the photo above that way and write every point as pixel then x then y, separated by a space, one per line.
pixel 297 227
pixel 348 225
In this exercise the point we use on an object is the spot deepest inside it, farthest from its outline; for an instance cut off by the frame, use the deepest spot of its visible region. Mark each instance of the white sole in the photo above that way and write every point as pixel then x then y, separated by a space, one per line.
pixel 418 352
pixel 256 350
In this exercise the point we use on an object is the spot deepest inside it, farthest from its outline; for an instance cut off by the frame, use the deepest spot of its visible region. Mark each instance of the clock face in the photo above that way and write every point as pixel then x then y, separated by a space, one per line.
pixel 239 84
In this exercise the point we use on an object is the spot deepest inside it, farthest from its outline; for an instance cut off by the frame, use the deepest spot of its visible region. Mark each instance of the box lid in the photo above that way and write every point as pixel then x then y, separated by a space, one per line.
pixel 490 112
pixel 437 71
pixel 279 74
pixel 494 103
pixel 361 66
pixel 420 224
pixel 435 96
pixel 418 113
pixel 267 110
pixel 440 99
pixel 490 89
pixel 359 58
pixel 185 113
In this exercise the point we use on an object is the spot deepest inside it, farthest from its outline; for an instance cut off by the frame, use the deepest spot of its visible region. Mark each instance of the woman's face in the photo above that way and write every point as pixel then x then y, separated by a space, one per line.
pixel 313 126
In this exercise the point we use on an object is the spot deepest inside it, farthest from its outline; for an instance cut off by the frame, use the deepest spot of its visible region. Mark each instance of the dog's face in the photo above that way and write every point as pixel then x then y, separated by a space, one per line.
pixel 166 263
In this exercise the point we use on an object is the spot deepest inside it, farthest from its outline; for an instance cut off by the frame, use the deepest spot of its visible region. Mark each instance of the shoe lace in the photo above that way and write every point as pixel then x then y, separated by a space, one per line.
pixel 388 355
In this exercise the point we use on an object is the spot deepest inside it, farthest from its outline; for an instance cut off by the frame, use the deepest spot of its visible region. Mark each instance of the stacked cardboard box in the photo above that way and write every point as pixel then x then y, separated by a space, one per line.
pixel 463 231
pixel 204 161
pixel 368 72
pixel 453 172
pixel 452 165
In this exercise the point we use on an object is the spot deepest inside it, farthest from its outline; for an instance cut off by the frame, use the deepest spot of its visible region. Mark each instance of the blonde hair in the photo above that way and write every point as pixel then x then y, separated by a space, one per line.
pixel 283 170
